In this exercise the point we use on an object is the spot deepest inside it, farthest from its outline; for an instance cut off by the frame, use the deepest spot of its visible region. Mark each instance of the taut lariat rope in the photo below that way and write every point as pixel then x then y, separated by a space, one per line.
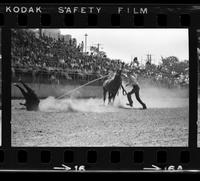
pixel 69 92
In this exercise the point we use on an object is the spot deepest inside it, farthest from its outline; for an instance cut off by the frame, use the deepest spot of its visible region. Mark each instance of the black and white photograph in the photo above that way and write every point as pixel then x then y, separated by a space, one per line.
pixel 100 87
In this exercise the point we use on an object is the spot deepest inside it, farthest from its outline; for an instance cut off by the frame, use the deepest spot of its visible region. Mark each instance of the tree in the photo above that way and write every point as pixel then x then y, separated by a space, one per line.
pixel 169 63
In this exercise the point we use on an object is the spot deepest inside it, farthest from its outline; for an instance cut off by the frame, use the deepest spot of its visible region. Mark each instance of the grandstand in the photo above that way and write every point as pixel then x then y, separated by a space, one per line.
pixel 48 57
pixel 44 59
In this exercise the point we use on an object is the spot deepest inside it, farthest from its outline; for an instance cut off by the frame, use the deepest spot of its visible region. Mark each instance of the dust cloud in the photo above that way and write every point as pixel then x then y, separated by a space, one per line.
pixel 74 105
pixel 161 97
pixel 153 97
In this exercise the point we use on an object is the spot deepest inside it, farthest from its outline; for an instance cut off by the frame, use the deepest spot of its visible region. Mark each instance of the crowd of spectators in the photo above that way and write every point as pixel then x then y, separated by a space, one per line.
pixel 56 59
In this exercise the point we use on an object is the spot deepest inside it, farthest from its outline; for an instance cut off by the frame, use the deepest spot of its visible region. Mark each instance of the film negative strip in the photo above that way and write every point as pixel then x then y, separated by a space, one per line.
pixel 99 87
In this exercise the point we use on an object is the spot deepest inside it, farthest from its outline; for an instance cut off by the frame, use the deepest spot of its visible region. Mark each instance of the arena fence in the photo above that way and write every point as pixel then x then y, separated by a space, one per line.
pixel 54 77
pixel 71 77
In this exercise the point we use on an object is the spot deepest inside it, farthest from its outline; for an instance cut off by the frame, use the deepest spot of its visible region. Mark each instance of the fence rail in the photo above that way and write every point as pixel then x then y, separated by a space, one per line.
pixel 73 77
pixel 53 77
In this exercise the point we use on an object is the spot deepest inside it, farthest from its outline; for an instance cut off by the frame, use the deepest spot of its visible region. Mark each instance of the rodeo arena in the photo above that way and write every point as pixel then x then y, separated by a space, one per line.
pixel 64 95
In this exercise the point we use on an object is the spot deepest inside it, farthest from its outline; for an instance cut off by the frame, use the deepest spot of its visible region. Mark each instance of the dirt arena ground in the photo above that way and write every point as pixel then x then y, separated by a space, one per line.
pixel 90 123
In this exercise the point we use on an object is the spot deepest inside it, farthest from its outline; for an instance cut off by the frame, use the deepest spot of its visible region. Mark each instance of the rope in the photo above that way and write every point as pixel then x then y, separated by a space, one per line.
pixel 69 92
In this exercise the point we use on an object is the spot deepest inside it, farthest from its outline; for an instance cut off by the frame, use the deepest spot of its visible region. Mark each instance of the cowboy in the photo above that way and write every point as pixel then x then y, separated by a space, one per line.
pixel 132 81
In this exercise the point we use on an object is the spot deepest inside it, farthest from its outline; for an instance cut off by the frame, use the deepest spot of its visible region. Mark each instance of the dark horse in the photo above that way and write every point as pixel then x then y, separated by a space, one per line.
pixel 112 86
pixel 31 99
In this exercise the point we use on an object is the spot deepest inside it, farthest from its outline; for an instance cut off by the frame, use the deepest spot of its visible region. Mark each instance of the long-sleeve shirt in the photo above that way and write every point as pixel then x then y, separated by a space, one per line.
pixel 132 80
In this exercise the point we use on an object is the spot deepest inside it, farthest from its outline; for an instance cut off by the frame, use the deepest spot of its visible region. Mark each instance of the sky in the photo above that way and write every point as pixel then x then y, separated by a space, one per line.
pixel 126 43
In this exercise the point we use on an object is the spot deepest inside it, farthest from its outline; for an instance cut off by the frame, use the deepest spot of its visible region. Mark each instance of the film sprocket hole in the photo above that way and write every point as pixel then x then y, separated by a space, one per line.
pixel 99 87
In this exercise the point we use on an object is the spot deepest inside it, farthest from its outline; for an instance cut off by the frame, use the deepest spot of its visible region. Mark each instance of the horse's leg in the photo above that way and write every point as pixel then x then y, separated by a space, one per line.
pixel 104 95
pixel 114 95
pixel 27 88
pixel 113 99
pixel 109 97
pixel 24 93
